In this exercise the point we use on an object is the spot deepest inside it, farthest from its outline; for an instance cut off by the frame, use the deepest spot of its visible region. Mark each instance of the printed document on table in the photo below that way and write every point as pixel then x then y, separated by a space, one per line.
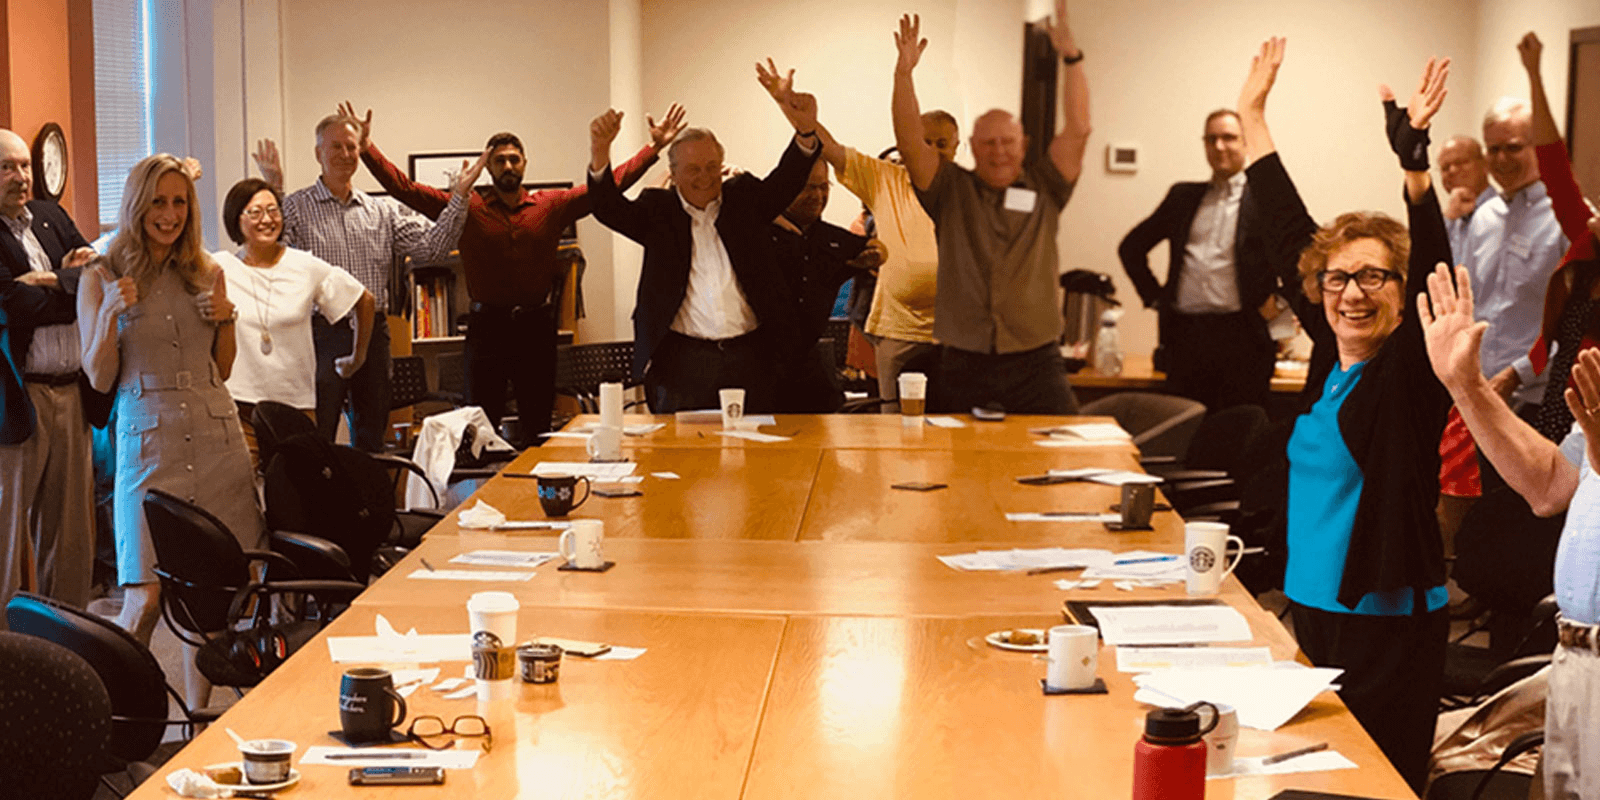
pixel 1265 697
pixel 503 558
pixel 483 576
pixel 1136 625
pixel 1151 659
pixel 607 471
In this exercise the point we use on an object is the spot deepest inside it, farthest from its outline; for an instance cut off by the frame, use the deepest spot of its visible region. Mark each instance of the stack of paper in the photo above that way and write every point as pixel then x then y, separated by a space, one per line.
pixel 1063 516
pixel 1088 431
pixel 1266 697
pixel 607 472
pixel 1020 559
pixel 1146 566
pixel 1170 624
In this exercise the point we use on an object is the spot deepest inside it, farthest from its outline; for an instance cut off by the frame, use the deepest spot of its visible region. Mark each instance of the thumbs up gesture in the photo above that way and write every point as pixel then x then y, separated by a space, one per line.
pixel 214 305
pixel 116 294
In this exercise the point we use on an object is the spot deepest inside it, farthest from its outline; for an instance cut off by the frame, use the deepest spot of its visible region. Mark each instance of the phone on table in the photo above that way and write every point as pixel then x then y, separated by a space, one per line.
pixel 396 776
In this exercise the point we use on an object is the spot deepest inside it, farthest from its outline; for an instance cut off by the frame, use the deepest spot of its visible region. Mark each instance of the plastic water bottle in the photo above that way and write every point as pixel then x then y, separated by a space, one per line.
pixel 1107 345
pixel 1169 761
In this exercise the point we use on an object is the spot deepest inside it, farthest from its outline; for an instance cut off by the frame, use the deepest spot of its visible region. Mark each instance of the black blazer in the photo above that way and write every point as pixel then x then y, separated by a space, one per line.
pixel 657 221
pixel 1171 223
pixel 23 308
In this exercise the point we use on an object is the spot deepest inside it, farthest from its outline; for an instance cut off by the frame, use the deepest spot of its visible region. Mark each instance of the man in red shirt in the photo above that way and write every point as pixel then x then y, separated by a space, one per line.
pixel 508 252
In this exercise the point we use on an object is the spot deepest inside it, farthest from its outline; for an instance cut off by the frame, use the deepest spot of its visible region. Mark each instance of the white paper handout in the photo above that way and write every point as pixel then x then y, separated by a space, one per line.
pixel 1170 624
pixel 1088 431
pixel 1120 477
pixel 1311 762
pixel 1151 659
pixel 391 647
pixel 1063 516
pixel 754 436
pixel 485 575
pixel 502 558
pixel 1032 558
pixel 1265 697
pixel 602 472
pixel 945 422
pixel 389 757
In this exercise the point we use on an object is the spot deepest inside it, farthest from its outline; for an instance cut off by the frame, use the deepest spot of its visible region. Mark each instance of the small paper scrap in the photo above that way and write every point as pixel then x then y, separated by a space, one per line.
pixel 754 436
pixel 666 476
pixel 945 422
pixel 620 654
pixel 1063 516
pixel 1324 761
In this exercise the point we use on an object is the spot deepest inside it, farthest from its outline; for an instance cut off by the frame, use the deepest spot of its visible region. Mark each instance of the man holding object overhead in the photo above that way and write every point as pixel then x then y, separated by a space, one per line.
pixel 996 312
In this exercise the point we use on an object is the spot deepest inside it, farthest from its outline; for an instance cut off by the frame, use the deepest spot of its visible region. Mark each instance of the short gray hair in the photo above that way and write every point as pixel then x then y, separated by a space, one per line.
pixel 335 119
pixel 692 135
pixel 1507 108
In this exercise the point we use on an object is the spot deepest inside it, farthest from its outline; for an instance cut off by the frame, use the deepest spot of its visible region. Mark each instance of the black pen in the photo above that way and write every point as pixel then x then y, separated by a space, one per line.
pixel 407 755
pixel 1304 751
pixel 425 563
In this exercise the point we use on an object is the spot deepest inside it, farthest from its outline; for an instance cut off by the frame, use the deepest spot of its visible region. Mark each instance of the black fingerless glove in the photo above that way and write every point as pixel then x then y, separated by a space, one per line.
pixel 1410 144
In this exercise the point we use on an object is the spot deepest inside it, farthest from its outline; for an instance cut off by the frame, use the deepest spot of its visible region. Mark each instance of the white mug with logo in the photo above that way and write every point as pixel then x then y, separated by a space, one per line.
pixel 605 444
pixel 1205 548
pixel 1074 657
pixel 581 544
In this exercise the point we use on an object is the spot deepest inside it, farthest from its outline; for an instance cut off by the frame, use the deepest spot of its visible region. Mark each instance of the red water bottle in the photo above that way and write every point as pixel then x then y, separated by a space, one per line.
pixel 1169 762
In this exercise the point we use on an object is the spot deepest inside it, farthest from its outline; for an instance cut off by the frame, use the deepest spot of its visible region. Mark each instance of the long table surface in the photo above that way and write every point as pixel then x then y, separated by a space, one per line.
pixel 803 638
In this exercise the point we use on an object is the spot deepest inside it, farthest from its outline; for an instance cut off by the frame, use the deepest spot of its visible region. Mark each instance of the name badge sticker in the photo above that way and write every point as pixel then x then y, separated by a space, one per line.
pixel 1519 246
pixel 1022 200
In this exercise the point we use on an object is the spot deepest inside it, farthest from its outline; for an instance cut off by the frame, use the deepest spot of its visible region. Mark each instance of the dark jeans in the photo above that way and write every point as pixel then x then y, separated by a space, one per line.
pixel 686 373
pixel 367 391
pixel 1393 675
pixel 1221 360
pixel 515 343
pixel 1030 382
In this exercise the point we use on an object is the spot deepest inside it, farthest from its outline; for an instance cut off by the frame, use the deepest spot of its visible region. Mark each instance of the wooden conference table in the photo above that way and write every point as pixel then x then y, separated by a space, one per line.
pixel 802 639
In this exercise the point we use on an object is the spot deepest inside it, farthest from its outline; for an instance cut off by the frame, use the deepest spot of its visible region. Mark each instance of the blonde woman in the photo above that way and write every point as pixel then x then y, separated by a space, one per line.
pixel 157 331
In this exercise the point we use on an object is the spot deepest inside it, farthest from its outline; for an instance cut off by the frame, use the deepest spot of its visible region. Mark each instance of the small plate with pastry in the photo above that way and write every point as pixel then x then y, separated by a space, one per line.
pixel 1023 640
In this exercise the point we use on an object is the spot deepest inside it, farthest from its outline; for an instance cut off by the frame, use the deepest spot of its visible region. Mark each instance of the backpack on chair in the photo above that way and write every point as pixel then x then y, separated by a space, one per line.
pixel 332 491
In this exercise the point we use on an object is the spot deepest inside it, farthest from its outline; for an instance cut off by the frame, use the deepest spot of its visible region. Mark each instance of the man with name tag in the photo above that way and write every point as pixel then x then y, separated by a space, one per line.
pixel 996 312
pixel 1464 173
pixel 46 407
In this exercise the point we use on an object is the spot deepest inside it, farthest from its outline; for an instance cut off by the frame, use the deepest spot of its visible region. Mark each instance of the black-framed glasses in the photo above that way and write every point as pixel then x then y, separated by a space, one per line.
pixel 431 732
pixel 255 213
pixel 1370 279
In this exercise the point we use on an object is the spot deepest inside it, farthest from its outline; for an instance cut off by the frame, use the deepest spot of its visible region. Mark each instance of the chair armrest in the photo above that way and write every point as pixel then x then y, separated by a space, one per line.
pixel 305 541
pixel 335 590
pixel 1149 461
pixel 272 559
pixel 1510 672
pixel 1190 475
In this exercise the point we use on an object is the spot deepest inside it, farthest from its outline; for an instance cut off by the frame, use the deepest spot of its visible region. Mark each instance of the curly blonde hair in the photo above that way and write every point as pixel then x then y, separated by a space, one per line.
pixel 1348 228
pixel 130 251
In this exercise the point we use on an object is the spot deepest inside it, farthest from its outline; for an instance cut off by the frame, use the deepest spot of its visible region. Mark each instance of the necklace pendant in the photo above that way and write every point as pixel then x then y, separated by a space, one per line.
pixel 266 343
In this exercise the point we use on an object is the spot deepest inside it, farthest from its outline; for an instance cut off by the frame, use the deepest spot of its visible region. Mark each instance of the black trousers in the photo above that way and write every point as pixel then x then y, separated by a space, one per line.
pixel 365 396
pixel 1221 360
pixel 516 344
pixel 1030 382
pixel 686 373
pixel 1393 676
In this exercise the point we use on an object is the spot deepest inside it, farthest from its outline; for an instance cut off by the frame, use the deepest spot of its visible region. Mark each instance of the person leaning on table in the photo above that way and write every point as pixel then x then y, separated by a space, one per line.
pixel 1365 567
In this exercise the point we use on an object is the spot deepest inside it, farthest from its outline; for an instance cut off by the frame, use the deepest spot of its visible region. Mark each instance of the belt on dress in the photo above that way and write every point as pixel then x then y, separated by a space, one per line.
pixel 1579 637
pixel 58 379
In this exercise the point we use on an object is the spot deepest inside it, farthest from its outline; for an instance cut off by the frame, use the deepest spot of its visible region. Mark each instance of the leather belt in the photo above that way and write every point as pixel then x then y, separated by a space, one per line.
pixel 486 308
pixel 59 379
pixel 720 344
pixel 1579 637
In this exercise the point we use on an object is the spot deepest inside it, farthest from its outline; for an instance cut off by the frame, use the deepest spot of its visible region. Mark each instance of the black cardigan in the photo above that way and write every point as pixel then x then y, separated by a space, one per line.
pixel 1392 419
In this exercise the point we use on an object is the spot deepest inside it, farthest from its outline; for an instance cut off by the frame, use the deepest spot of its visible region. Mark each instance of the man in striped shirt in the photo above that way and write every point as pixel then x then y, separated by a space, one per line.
pixel 369 237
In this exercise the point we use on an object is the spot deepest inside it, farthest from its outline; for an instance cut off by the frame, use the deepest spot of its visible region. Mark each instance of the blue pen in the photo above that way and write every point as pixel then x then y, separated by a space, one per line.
pixel 1150 560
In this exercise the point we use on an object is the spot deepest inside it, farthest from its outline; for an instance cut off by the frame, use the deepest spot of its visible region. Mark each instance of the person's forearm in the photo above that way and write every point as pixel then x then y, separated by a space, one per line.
pixel 1544 123
pixel 1257 136
pixel 425 199
pixel 223 348
pixel 97 333
pixel 366 309
pixel 832 151
pixel 1531 464
pixel 442 236
pixel 1417 184
pixel 907 116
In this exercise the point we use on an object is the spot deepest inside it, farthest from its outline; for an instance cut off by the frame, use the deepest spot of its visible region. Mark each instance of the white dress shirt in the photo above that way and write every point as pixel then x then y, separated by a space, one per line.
pixel 1210 284
pixel 714 307
pixel 54 350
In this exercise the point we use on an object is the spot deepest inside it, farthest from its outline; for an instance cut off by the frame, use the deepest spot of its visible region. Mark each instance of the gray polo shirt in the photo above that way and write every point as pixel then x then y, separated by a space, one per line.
pixel 997 258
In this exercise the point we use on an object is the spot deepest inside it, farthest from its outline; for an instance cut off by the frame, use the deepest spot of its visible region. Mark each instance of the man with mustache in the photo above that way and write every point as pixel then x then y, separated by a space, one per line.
pixel 46 407
pixel 509 253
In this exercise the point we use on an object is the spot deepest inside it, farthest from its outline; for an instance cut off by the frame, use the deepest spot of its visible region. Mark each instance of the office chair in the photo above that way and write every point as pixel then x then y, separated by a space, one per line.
pixel 56 723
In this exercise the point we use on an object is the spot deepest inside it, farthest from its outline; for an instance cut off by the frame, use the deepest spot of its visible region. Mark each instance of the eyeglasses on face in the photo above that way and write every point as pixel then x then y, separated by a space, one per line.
pixel 255 213
pixel 430 731
pixel 1370 279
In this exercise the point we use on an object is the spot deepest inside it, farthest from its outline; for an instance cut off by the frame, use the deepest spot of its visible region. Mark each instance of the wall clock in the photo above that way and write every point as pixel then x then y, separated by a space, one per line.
pixel 50 163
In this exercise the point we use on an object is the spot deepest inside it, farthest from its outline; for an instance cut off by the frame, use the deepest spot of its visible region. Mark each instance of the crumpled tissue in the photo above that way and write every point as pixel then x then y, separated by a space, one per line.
pixel 481 515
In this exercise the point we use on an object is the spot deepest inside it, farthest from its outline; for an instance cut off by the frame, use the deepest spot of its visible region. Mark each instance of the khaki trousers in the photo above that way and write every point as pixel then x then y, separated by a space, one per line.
pixel 47 502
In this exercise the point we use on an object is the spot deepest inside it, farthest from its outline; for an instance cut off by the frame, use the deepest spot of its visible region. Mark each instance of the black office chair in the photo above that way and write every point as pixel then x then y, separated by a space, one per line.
pixel 408 383
pixel 134 682
pixel 1160 424
pixel 274 422
pixel 57 720
pixel 207 594
pixel 581 368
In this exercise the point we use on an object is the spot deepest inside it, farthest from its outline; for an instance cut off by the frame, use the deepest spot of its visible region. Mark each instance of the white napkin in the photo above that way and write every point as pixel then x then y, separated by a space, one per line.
pixel 188 783
pixel 481 515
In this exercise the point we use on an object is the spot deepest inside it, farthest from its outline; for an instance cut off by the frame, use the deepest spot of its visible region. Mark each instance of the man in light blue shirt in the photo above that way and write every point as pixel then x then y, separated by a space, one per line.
pixel 1512 245
pixel 1464 174
pixel 1551 479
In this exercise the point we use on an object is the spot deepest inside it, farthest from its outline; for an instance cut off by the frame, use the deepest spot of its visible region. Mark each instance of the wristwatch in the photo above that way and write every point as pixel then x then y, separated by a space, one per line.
pixel 1070 60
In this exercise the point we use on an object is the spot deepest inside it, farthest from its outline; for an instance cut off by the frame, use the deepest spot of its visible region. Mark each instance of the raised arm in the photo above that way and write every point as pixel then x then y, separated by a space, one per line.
pixel 1544 123
pixel 609 205
pixel 781 87
pixel 427 200
pixel 1408 127
pixel 1253 100
pixel 430 243
pixel 1286 226
pixel 1066 150
pixel 1555 168
pixel 1531 464
pixel 921 160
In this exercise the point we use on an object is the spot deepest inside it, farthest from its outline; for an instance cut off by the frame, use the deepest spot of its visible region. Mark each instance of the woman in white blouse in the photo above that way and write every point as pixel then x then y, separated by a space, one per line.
pixel 277 289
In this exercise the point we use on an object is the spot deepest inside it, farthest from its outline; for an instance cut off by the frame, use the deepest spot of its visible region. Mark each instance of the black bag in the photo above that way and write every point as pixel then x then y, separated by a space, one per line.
pixel 243 655
pixel 338 493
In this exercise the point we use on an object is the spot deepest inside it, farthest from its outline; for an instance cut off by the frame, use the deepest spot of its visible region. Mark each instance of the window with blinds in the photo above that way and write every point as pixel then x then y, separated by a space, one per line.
pixel 123 123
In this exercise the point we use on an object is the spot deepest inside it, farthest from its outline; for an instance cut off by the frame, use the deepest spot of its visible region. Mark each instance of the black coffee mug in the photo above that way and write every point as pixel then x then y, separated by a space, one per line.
pixel 369 707
pixel 558 493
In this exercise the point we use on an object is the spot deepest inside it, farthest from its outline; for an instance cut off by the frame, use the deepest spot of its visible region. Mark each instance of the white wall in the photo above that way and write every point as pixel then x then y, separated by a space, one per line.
pixel 1501 24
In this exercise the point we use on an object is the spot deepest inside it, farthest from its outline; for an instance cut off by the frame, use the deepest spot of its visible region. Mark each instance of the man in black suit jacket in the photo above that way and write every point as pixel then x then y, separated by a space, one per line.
pixel 46 467
pixel 713 306
pixel 1214 308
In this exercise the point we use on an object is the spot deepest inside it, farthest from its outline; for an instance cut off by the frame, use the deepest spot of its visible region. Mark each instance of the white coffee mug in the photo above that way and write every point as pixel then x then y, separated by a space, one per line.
pixel 1205 547
pixel 1222 740
pixel 1074 657
pixel 582 543
pixel 732 407
pixel 611 404
pixel 605 443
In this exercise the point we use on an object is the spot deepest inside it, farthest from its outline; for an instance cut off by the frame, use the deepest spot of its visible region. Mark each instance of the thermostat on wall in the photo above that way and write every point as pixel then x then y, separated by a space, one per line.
pixel 1122 158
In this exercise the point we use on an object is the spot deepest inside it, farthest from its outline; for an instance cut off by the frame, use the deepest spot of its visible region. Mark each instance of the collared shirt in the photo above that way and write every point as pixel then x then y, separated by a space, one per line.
pixel 997 258
pixel 1210 282
pixel 54 349
pixel 903 302
pixel 714 307
pixel 1577 576
pixel 1457 228
pixel 1512 245
pixel 367 236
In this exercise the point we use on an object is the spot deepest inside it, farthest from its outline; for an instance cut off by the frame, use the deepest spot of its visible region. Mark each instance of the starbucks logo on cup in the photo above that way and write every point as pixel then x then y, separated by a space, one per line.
pixel 1202 559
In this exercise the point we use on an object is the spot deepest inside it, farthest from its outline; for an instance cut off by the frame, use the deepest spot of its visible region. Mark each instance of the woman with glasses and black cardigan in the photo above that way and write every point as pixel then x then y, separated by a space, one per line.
pixel 1365 565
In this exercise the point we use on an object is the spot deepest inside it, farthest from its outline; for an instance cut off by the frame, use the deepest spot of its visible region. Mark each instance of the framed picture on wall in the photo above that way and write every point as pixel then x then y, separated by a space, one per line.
pixel 439 169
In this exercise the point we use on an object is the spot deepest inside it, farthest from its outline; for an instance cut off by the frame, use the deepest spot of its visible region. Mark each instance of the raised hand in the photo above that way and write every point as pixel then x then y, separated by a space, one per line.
pixel 779 86
pixel 214 305
pixel 1430 94
pixel 363 124
pixel 192 168
pixel 801 109
pixel 602 131
pixel 1451 335
pixel 468 176
pixel 662 133
pixel 1263 73
pixel 1530 49
pixel 1583 399
pixel 1060 32
pixel 268 162
pixel 909 42
pixel 116 294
